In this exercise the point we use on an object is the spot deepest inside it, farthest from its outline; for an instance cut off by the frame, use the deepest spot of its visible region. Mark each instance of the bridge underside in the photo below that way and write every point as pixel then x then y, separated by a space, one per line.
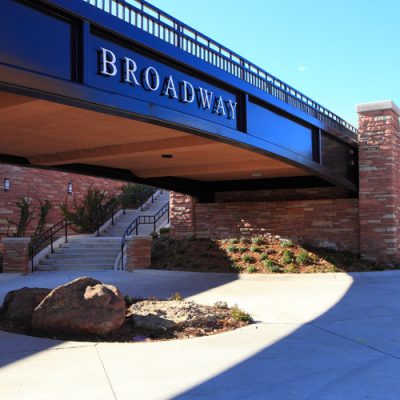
pixel 50 134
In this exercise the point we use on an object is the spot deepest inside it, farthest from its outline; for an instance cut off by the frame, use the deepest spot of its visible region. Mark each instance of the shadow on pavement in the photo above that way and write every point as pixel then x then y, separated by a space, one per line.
pixel 352 351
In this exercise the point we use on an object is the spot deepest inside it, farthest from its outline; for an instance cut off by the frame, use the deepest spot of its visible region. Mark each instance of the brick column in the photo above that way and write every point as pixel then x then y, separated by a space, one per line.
pixel 138 252
pixel 182 214
pixel 15 255
pixel 379 173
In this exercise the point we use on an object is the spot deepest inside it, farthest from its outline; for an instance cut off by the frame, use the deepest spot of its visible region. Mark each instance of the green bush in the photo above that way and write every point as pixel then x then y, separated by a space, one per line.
pixel 271 266
pixel 264 256
pixel 164 231
pixel 242 250
pixel 236 267
pixel 248 258
pixel 251 269
pixel 232 249
pixel 258 241
pixel 287 257
pixel 221 304
pixel 286 243
pixel 136 194
pixel 239 315
pixel 256 249
pixel 26 215
pixel 88 214
pixel 234 241
pixel 176 296
pixel 303 258
pixel 244 240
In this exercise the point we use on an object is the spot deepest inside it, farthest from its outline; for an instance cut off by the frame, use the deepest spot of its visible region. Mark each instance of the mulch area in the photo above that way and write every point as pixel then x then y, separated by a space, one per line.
pixel 252 255
pixel 203 325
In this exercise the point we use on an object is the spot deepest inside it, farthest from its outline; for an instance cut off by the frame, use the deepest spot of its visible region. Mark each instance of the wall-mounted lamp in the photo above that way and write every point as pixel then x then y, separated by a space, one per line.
pixel 69 188
pixel 6 184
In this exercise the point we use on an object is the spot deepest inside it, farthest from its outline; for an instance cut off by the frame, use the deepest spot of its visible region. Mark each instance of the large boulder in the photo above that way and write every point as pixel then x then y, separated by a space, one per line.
pixel 19 304
pixel 83 306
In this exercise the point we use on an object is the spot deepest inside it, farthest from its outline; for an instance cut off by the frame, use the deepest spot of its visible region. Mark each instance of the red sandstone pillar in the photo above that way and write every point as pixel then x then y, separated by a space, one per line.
pixel 182 214
pixel 15 255
pixel 379 172
pixel 138 252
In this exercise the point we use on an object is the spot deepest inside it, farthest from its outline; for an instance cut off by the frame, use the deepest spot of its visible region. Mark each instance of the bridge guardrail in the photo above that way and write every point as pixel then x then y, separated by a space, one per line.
pixel 156 22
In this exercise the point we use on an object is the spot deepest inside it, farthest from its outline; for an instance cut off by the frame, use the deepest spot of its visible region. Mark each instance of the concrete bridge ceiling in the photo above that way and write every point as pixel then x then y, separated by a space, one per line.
pixel 52 134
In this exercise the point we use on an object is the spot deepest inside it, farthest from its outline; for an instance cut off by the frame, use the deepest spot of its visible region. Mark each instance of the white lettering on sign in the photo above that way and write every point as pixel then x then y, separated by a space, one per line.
pixel 149 79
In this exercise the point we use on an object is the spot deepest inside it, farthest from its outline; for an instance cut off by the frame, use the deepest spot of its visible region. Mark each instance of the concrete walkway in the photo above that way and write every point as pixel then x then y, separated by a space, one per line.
pixel 331 336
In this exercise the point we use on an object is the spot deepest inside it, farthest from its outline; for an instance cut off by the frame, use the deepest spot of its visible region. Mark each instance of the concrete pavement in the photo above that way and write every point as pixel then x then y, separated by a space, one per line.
pixel 328 336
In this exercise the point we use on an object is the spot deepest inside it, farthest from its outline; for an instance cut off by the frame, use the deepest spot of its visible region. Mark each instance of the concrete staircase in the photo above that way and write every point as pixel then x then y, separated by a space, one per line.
pixel 118 229
pixel 88 253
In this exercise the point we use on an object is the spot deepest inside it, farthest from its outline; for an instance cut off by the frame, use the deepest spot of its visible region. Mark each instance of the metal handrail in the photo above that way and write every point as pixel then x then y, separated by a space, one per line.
pixel 48 237
pixel 42 241
pixel 142 220
pixel 156 22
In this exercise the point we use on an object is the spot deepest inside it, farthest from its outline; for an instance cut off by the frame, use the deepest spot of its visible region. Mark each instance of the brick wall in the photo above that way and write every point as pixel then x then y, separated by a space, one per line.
pixel 329 223
pixel 379 174
pixel 44 184
pixel 282 194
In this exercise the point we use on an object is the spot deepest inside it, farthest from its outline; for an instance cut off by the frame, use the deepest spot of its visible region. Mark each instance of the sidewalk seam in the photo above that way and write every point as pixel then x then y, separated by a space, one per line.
pixel 105 371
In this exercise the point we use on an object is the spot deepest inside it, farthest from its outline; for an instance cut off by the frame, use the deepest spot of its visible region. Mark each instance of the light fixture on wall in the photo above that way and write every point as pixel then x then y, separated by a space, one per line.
pixel 69 188
pixel 6 185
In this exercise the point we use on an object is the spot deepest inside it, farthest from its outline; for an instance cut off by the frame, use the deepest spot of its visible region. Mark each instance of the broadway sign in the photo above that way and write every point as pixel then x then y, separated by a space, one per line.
pixel 122 71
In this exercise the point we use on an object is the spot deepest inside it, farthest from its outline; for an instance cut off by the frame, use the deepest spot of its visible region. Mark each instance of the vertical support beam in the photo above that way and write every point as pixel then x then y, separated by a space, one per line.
pixel 15 255
pixel 379 174
pixel 138 252
pixel 182 214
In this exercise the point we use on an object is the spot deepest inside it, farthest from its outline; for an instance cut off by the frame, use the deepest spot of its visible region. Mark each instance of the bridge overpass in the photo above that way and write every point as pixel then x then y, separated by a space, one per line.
pixel 121 89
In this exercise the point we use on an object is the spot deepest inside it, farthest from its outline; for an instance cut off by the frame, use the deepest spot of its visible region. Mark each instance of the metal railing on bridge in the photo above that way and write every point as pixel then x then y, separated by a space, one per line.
pixel 154 21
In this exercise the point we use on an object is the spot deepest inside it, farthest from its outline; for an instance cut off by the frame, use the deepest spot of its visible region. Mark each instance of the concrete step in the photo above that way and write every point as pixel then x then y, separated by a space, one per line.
pixel 73 268
pixel 81 256
pixel 74 261
pixel 107 246
pixel 82 252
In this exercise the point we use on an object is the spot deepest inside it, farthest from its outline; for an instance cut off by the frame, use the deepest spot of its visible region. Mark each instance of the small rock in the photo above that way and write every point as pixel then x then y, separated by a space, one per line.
pixel 19 304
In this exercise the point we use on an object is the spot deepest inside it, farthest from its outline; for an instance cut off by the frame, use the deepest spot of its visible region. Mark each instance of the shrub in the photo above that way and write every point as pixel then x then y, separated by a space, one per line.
pixel 251 269
pixel 286 243
pixel 90 213
pixel 264 256
pixel 248 258
pixel 271 266
pixel 258 241
pixel 176 296
pixel 232 249
pixel 236 267
pixel 239 315
pixel 234 241
pixel 164 231
pixel 221 304
pixel 136 194
pixel 256 249
pixel 242 250
pixel 303 258
pixel 26 214
pixel 244 240
pixel 44 209
pixel 287 257
pixel 292 269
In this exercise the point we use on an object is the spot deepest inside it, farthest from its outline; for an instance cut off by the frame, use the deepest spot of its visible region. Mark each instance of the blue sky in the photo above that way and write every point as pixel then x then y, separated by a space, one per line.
pixel 339 53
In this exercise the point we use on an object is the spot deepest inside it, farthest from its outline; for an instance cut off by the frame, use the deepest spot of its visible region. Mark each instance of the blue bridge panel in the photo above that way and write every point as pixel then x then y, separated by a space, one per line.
pixel 27 37
pixel 136 61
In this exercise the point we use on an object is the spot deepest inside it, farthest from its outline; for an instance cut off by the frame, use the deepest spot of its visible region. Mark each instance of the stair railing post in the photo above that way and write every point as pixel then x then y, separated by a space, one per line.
pixel 66 231
pixel 123 203
pixel 112 216
pixel 51 241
